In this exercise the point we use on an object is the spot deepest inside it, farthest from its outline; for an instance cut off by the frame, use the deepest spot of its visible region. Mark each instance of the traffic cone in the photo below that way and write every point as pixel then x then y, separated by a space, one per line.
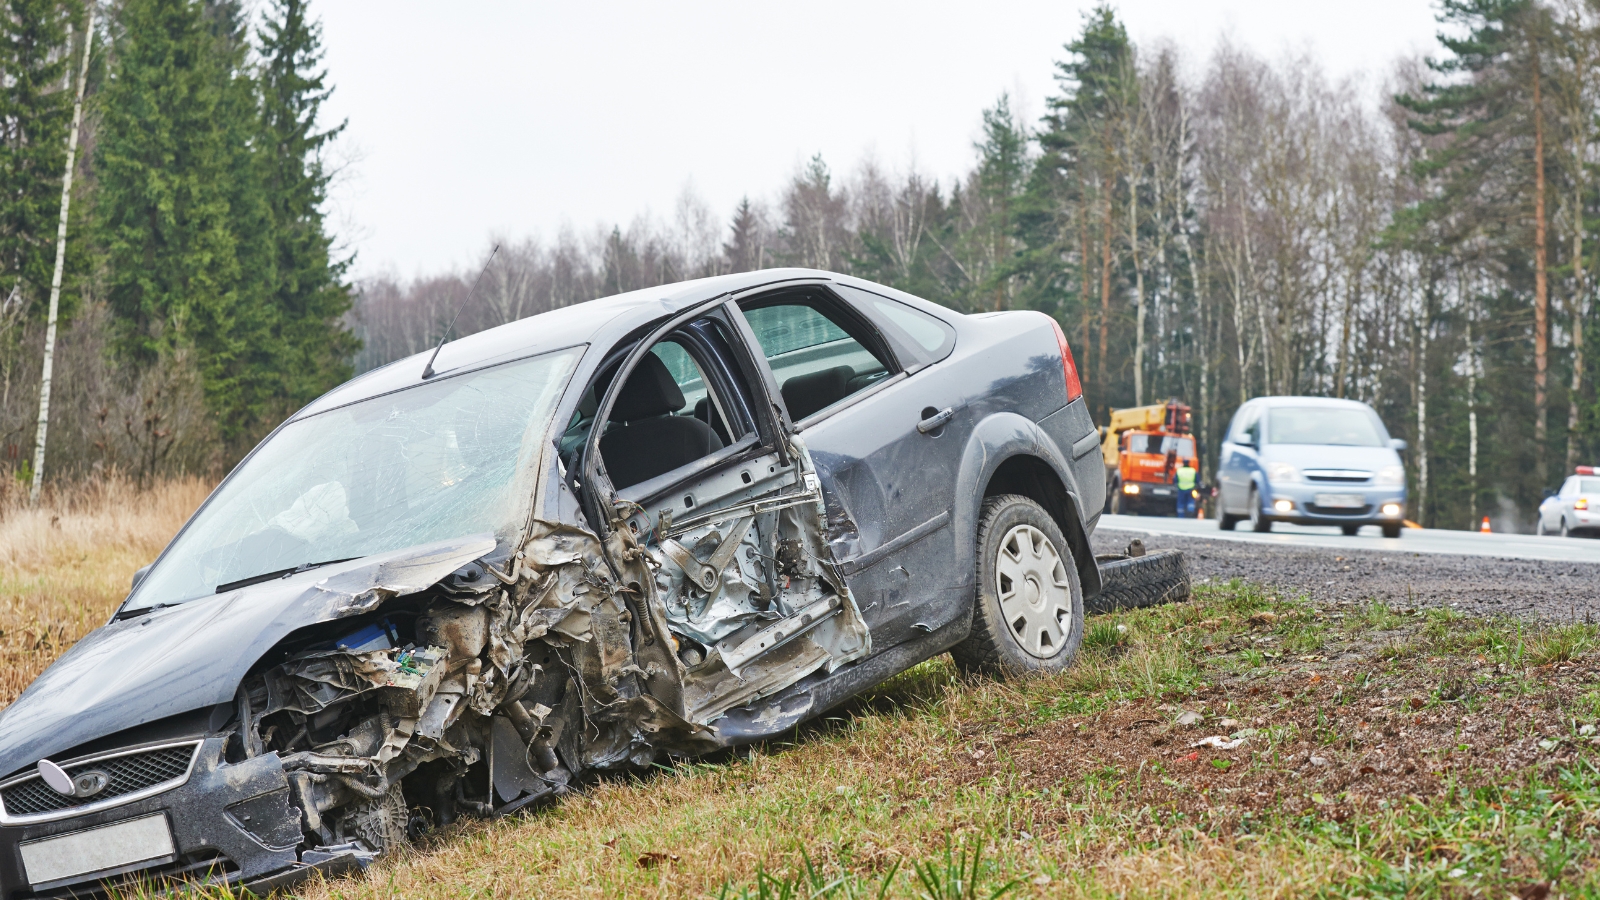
pixel 1484 528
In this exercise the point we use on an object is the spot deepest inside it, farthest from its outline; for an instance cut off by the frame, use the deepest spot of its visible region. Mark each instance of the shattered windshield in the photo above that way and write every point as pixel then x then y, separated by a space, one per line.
pixel 429 463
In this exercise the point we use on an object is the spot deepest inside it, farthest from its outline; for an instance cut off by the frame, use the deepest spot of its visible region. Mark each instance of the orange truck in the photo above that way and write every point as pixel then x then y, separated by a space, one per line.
pixel 1143 449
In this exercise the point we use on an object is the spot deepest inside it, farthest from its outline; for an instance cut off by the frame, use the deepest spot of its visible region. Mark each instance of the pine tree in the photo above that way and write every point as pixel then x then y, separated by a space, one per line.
pixel 1002 174
pixel 171 176
pixel 309 294
pixel 35 111
pixel 1489 111
pixel 1068 210
pixel 746 249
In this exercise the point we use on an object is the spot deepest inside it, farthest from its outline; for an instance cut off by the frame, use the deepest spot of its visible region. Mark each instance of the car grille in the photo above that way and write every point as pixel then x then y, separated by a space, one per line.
pixel 126 774
pixel 1338 510
pixel 1338 476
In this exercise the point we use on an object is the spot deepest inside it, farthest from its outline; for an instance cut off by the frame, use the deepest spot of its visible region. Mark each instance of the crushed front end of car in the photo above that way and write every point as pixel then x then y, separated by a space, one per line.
pixel 395 613
pixel 400 693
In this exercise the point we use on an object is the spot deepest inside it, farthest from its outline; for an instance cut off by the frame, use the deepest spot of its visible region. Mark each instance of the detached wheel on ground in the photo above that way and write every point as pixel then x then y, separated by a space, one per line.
pixel 1350 530
pixel 1027 614
pixel 1133 582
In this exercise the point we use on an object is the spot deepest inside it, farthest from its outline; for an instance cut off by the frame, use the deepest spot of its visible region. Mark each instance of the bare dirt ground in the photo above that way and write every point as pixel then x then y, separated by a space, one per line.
pixel 1553 591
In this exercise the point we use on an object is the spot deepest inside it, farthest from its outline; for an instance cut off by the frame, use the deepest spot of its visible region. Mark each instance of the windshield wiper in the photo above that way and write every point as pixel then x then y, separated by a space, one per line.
pixel 281 573
pixel 130 613
pixel 224 588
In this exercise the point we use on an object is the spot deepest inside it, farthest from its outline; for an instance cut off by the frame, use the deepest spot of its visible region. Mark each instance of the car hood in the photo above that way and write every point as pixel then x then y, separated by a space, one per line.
pixel 192 656
pixel 1322 456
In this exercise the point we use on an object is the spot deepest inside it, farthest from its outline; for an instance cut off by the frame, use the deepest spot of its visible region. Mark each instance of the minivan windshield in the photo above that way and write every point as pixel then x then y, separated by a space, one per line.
pixel 1339 426
pixel 427 463
pixel 1163 444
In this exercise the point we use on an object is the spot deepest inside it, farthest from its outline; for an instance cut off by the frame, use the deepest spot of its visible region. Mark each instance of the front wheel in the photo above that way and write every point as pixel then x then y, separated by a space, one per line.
pixel 1350 530
pixel 1027 615
pixel 1258 522
pixel 1391 531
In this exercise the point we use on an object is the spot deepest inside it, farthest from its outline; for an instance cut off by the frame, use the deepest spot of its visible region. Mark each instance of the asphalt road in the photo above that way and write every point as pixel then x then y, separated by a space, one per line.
pixel 1411 540
pixel 1497 574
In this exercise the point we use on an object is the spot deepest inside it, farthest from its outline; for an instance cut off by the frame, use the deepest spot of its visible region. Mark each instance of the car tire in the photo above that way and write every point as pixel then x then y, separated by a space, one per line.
pixel 1350 530
pixel 1135 582
pixel 1565 531
pixel 1027 615
pixel 1258 522
pixel 1391 531
pixel 1225 522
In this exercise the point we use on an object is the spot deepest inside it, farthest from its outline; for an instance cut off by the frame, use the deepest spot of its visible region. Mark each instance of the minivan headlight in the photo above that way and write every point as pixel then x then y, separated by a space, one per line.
pixel 1391 475
pixel 1280 472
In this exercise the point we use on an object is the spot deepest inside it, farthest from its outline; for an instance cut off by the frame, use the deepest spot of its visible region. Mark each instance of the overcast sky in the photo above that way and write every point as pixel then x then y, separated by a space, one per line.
pixel 521 118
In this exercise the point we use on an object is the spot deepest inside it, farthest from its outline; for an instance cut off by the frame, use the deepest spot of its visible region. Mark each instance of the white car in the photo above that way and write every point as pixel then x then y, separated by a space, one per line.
pixel 1573 509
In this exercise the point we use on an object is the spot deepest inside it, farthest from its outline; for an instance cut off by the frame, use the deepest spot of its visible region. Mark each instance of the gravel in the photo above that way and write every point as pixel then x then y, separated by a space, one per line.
pixel 1558 591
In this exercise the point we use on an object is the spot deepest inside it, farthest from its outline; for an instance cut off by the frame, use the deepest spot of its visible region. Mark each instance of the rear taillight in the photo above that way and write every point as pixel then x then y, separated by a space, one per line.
pixel 1581 504
pixel 1069 368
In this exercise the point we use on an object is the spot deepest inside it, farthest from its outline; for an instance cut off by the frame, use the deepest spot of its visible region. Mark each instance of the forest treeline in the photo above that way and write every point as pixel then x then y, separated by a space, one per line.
pixel 1215 232
pixel 1206 229
pixel 203 300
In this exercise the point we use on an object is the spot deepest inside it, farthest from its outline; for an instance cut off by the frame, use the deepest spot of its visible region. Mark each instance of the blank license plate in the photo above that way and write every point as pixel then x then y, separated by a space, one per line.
pixel 107 850
pixel 1341 501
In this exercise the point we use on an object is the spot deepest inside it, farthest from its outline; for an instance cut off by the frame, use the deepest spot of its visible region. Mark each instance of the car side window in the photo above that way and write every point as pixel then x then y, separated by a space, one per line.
pixel 920 337
pixel 1569 489
pixel 1247 427
pixel 670 413
pixel 814 360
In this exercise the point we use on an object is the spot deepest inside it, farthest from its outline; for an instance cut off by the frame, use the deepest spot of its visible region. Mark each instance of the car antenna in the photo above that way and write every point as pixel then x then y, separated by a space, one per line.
pixel 427 371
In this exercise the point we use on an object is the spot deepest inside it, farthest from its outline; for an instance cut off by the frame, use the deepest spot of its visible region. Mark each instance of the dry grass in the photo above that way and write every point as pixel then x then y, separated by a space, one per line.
pixel 1455 759
pixel 1440 757
pixel 65 565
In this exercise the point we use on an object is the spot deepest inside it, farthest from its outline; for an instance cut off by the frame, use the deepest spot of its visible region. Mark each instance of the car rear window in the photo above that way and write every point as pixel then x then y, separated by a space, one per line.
pixel 1589 485
pixel 1340 427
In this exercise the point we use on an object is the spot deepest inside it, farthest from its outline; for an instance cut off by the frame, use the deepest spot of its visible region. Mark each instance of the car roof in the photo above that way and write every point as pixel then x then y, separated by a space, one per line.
pixel 1308 401
pixel 603 319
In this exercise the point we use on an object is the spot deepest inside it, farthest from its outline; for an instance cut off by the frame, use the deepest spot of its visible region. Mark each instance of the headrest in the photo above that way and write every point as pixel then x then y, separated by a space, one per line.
pixel 805 394
pixel 650 391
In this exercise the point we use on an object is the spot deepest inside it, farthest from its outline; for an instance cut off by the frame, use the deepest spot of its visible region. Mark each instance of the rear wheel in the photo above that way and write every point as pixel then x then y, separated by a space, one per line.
pixel 1350 530
pixel 1391 531
pixel 1258 522
pixel 1565 532
pixel 1027 615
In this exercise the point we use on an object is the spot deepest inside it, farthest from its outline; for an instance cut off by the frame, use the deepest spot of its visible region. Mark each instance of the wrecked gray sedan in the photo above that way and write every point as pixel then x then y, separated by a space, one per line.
pixel 653 525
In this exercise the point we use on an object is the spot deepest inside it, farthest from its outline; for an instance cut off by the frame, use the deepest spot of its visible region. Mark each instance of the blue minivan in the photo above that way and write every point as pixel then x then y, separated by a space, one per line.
pixel 1310 461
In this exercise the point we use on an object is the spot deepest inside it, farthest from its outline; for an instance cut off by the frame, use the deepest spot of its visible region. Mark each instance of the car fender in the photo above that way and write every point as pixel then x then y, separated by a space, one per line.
pixel 996 438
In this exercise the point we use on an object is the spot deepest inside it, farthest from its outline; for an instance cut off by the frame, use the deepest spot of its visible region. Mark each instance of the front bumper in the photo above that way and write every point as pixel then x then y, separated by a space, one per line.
pixel 1161 499
pixel 230 824
pixel 1306 510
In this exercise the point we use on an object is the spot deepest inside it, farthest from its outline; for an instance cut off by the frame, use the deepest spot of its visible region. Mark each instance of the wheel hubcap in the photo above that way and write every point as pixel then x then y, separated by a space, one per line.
pixel 1035 593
